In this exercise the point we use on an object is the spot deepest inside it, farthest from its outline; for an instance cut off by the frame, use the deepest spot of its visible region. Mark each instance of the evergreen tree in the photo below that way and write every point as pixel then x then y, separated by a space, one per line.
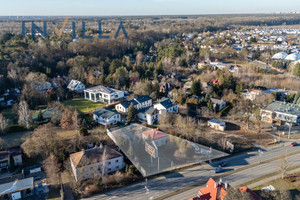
pixel 297 98
pixel 11 162
pixel 196 88
pixel 297 70
pixel 217 108
pixel 239 88
pixel 131 113
pixel 40 116
pixel 83 129
pixel 210 105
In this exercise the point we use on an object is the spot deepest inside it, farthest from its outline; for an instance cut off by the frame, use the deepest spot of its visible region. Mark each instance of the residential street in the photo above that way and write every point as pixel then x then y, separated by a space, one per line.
pixel 166 184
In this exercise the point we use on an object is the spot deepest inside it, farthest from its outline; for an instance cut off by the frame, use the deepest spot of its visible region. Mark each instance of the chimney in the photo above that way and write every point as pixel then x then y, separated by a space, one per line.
pixel 220 181
pixel 82 150
pixel 216 184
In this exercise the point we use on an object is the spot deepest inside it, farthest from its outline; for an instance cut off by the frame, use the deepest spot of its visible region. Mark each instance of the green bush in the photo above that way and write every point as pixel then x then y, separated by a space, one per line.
pixel 14 128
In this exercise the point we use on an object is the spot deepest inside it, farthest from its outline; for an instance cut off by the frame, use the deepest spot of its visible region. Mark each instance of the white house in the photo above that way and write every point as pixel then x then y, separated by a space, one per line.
pixel 76 86
pixel 219 102
pixel 217 124
pixel 96 161
pixel 148 115
pixel 103 94
pixel 251 94
pixel 106 117
pixel 166 105
pixel 139 102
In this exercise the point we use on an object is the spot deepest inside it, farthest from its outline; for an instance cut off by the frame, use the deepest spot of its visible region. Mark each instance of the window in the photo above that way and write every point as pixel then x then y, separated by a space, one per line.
pixel 117 167
pixel 109 169
pixel 117 161
pixel 109 163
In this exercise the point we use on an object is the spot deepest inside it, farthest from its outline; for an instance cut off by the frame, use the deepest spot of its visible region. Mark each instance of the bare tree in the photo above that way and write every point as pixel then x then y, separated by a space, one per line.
pixel 3 123
pixel 43 141
pixel 24 114
pixel 284 164
pixel 76 120
pixel 52 168
pixel 66 121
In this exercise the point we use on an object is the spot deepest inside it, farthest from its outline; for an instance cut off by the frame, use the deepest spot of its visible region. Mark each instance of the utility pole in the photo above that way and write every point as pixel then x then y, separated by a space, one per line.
pixel 290 126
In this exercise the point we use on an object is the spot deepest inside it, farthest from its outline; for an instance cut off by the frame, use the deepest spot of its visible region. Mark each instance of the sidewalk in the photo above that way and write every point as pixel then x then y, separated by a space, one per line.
pixel 263 181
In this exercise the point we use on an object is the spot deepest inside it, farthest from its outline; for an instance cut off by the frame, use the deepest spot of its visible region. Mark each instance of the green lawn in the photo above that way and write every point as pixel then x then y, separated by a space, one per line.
pixel 13 139
pixel 9 114
pixel 54 193
pixel 279 184
pixel 83 105
pixel 67 134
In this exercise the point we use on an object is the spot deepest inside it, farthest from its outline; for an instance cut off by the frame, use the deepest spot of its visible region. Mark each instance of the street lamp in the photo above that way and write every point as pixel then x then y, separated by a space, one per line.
pixel 260 154
pixel 147 191
pixel 290 126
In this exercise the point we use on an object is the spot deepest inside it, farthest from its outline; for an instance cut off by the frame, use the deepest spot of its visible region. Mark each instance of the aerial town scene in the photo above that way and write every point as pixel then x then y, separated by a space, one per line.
pixel 150 100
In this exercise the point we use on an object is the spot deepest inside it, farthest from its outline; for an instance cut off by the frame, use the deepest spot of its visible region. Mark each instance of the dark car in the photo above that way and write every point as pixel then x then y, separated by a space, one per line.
pixel 222 164
pixel 218 169
pixel 293 144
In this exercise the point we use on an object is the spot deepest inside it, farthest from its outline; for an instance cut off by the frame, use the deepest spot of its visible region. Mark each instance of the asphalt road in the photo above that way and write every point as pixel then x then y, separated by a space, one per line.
pixel 163 185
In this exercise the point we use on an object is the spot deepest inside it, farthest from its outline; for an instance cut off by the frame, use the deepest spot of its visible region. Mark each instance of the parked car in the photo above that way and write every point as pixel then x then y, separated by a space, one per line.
pixel 40 187
pixel 222 164
pixel 218 169
pixel 293 144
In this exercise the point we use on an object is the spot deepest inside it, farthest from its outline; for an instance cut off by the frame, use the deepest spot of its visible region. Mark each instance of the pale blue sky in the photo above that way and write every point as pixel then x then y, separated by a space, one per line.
pixel 144 7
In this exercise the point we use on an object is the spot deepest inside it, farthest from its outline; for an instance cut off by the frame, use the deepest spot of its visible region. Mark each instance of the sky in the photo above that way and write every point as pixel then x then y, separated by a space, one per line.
pixel 143 7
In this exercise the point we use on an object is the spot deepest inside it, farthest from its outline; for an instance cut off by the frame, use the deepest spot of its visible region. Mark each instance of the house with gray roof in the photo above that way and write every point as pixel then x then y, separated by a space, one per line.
pixel 106 117
pixel 150 115
pixel 76 86
pixel 217 124
pixel 18 189
pixel 219 102
pixel 166 105
pixel 280 113
pixel 139 102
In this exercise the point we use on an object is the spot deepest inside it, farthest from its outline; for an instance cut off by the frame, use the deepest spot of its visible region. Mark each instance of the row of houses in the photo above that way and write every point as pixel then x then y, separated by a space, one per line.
pixel 146 111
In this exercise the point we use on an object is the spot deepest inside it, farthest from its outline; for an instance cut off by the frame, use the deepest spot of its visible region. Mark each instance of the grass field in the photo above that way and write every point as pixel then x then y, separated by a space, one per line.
pixel 66 134
pixel 13 139
pixel 9 114
pixel 83 105
pixel 279 184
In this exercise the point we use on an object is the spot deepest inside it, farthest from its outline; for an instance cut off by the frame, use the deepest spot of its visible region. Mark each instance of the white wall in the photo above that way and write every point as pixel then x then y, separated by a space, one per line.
pixel 89 171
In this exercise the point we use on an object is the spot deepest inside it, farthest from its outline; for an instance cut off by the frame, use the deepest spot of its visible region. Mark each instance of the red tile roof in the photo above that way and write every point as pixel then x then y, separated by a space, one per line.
pixel 155 134
pixel 250 192
pixel 213 191
pixel 217 191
